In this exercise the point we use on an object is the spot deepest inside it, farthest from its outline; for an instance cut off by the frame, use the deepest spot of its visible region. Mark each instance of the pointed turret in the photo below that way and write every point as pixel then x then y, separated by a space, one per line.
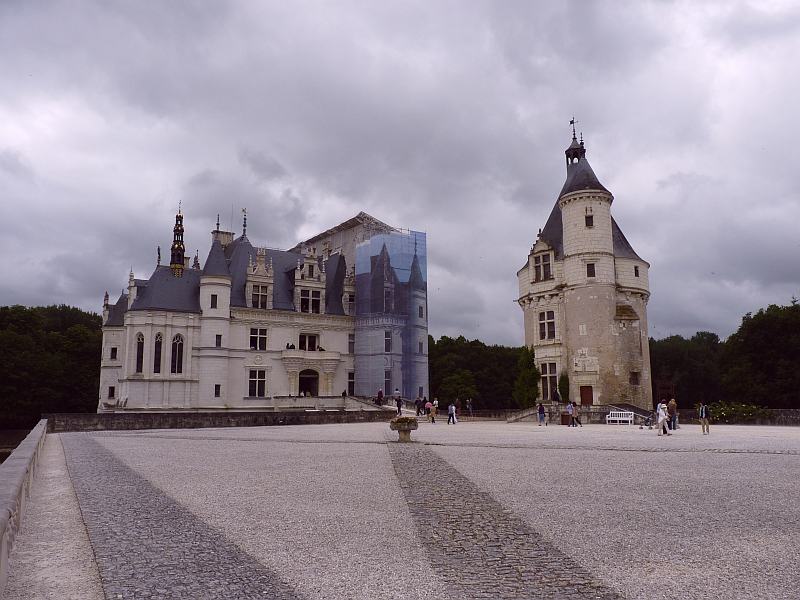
pixel 177 250
pixel 216 265
pixel 579 173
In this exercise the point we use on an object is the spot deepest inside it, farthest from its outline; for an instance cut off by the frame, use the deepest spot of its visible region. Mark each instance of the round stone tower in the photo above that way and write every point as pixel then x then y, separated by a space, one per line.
pixel 586 316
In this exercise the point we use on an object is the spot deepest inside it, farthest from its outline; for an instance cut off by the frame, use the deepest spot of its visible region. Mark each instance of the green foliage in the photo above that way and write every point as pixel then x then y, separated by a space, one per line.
pixel 49 362
pixel 736 412
pixel 757 365
pixel 563 386
pixel 491 371
pixel 526 386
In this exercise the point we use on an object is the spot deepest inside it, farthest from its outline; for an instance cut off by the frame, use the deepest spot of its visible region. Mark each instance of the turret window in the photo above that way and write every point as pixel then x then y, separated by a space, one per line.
pixel 387 341
pixel 157 346
pixel 113 355
pixel 589 220
pixel 218 340
pixel 547 325
pixel 139 352
pixel 590 271
pixel 213 301
pixel 176 364
pixel 112 391
pixel 635 271
pixel 542 270
pixel 259 297
pixel 421 312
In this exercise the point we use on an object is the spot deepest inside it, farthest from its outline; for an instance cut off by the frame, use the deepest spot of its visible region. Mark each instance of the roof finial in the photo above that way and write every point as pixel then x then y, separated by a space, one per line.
pixel 581 138
pixel 572 122
pixel 158 256
pixel 217 221
pixel 179 206
pixel 244 223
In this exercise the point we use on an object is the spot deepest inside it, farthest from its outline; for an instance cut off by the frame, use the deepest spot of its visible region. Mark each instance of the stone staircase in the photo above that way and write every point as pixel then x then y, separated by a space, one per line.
pixel 522 414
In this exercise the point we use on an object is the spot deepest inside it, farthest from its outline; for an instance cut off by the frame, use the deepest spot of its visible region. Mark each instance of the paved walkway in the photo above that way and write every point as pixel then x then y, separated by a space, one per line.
pixel 476 510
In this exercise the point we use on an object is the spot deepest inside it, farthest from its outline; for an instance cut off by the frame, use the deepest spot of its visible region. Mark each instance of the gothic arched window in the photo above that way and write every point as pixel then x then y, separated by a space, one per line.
pixel 139 352
pixel 157 353
pixel 177 354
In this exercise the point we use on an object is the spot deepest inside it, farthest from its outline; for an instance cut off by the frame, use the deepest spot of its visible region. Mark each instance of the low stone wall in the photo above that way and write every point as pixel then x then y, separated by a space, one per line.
pixel 16 478
pixel 63 422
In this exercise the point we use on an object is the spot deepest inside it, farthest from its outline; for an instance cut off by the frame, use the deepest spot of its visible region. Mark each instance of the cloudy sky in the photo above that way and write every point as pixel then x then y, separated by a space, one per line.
pixel 449 117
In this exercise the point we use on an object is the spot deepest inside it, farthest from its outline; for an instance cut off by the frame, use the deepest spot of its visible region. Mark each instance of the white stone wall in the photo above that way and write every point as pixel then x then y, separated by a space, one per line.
pixel 626 277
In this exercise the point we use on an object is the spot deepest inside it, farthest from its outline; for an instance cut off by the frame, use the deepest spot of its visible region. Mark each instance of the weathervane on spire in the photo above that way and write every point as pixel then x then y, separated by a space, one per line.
pixel 244 222
pixel 179 206
pixel 573 122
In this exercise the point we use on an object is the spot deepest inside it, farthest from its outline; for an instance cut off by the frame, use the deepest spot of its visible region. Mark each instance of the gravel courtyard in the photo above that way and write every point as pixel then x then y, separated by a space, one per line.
pixel 475 510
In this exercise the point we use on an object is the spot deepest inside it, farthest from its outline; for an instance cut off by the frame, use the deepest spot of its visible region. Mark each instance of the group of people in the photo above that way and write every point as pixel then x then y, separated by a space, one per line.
pixel 667 417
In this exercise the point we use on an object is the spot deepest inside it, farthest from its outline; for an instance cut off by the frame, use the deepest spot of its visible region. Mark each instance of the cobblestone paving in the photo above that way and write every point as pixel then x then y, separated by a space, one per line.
pixel 148 546
pixel 484 550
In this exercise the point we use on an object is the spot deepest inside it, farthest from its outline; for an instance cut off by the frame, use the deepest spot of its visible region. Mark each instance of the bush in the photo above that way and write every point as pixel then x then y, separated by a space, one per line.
pixel 736 412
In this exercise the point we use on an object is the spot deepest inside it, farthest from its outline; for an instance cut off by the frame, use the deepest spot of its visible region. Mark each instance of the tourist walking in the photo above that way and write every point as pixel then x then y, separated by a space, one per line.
pixel 469 407
pixel 570 412
pixel 379 398
pixel 399 401
pixel 541 415
pixel 704 417
pixel 451 413
pixel 662 418
pixel 576 413
pixel 418 405
pixel 435 408
pixel 672 413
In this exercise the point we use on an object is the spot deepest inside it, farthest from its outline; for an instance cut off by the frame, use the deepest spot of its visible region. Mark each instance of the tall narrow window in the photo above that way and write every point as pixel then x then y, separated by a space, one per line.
pixel 258 383
pixel 139 352
pixel 549 380
pixel 387 383
pixel 590 271
pixel 258 338
pixel 112 390
pixel 218 340
pixel 259 298
pixel 541 267
pixel 113 353
pixel 635 271
pixel 547 325
pixel 387 300
pixel 217 390
pixel 310 271
pixel 351 343
pixel 421 312
pixel 634 378
pixel 213 301
pixel 351 304
pixel 589 219
pixel 176 365
pixel 157 346
pixel 420 348
pixel 305 301
pixel 351 383
pixel 315 302
pixel 387 341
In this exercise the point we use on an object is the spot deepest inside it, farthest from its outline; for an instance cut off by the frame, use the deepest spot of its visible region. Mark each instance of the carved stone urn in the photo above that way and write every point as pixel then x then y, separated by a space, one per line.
pixel 404 426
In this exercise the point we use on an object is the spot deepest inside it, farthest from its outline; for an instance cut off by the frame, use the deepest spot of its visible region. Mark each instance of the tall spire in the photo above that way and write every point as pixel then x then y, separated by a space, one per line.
pixel 177 250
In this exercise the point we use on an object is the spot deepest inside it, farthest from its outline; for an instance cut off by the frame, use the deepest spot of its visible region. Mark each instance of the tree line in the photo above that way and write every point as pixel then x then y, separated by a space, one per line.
pixel 50 362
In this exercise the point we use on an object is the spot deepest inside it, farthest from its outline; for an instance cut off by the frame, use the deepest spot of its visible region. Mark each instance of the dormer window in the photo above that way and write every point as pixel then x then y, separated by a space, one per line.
pixel 310 271
pixel 542 269
pixel 259 297
pixel 310 301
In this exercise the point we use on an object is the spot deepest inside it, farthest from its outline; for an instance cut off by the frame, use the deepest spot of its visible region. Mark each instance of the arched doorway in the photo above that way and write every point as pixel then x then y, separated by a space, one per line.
pixel 309 383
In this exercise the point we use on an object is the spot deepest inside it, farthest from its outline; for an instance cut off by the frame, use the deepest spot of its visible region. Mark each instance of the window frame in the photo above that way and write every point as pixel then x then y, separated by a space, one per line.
pixel 351 343
pixel 257 383
pixel 591 270
pixel 259 296
pixel 258 340
pixel 588 221
pixel 387 342
pixel 176 360
pixel 214 301
pixel 547 325
pixel 218 340
pixel 549 380
pixel 139 352
pixel 112 392
pixel 158 352
pixel 217 390
pixel 112 355
pixel 304 339
pixel 542 267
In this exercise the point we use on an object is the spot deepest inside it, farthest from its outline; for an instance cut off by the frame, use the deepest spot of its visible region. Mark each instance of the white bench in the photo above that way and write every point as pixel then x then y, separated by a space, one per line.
pixel 619 416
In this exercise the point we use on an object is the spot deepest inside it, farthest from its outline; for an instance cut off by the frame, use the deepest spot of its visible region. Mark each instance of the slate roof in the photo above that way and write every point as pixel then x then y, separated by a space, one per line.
pixel 581 177
pixel 215 263
pixel 116 312
pixel 164 291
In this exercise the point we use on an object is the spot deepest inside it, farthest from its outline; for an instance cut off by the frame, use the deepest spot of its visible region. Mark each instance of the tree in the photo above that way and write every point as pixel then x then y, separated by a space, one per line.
pixel 459 384
pixel 526 386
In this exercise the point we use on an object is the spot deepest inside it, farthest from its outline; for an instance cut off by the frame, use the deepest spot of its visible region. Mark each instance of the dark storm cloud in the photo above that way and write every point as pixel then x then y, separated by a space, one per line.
pixel 306 113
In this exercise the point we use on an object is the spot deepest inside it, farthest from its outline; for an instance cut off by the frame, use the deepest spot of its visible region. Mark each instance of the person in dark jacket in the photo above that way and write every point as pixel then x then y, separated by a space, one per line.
pixel 704 416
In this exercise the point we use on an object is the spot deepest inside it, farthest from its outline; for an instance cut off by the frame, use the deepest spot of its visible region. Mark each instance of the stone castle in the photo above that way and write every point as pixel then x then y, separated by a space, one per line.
pixel 584 293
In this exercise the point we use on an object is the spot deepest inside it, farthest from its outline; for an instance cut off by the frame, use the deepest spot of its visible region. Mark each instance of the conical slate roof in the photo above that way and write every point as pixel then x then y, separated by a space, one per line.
pixel 581 177
pixel 216 264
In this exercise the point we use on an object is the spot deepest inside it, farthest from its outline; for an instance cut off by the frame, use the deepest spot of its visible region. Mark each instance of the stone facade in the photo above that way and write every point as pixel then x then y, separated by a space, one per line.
pixel 584 293
pixel 252 329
